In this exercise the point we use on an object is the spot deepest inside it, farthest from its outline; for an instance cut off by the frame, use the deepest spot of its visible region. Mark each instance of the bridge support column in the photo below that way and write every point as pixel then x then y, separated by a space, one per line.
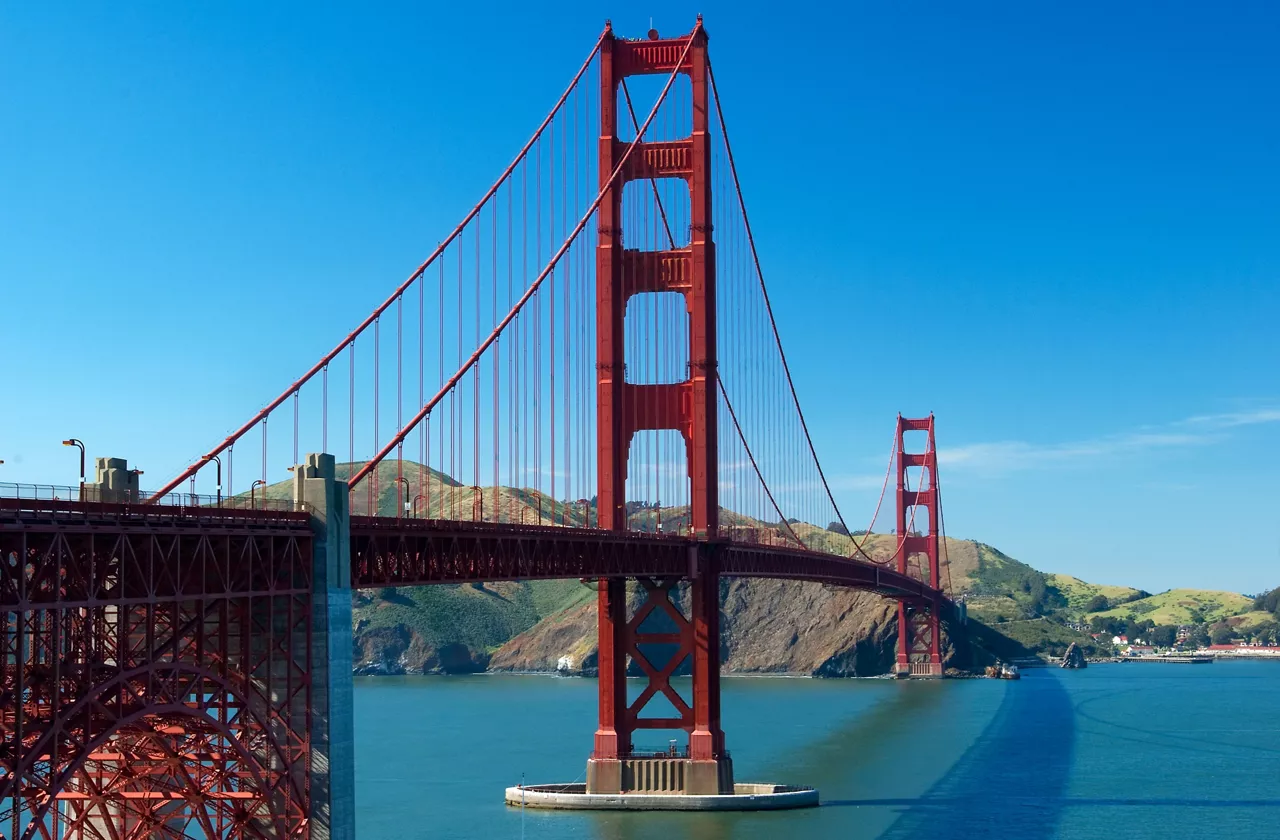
pixel 711 769
pixel 332 805
pixel 919 637
pixel 613 737
pixel 659 639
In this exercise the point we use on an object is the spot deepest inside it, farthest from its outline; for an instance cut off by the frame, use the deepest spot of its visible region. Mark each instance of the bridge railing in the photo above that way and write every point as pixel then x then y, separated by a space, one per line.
pixel 65 499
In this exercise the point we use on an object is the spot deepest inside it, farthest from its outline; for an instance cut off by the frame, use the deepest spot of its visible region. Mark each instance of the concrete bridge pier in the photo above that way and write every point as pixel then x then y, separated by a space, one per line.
pixel 113 482
pixel 332 741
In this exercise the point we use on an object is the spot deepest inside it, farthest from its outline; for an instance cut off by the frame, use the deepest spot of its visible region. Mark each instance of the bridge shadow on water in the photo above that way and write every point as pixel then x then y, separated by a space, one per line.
pixel 871 738
pixel 1010 783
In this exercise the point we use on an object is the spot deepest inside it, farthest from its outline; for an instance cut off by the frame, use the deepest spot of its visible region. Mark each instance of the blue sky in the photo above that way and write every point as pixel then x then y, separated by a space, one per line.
pixel 1059 229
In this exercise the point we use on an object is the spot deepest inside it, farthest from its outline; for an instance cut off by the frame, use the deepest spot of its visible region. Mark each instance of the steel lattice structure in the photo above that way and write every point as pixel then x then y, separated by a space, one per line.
pixel 156 671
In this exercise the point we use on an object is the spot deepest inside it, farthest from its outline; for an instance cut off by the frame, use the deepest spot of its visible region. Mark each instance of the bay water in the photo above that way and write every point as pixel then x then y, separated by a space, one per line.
pixel 1132 750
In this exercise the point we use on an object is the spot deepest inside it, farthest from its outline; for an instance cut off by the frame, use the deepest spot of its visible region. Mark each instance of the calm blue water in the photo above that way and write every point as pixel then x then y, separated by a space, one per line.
pixel 1115 751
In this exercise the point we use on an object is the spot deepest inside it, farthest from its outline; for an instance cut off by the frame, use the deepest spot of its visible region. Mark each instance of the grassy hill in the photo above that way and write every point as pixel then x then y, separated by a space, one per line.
pixel 1181 606
pixel 1078 593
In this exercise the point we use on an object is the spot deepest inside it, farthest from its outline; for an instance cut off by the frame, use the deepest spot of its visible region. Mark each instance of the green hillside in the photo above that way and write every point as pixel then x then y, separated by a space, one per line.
pixel 1181 606
pixel 1079 593
pixel 479 616
pixel 1005 589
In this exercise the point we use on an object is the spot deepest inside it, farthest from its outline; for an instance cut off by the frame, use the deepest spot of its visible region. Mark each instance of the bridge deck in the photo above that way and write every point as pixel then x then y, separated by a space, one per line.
pixel 387 551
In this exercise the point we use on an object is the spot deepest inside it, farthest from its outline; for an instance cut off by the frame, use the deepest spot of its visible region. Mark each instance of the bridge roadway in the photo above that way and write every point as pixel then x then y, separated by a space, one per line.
pixel 390 551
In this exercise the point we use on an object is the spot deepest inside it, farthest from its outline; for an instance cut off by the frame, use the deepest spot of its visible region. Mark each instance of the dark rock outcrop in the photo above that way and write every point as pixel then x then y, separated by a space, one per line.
pixel 1074 657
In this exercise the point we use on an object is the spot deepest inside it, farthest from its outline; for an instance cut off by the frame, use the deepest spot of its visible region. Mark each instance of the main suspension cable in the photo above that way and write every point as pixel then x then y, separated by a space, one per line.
pixel 537 283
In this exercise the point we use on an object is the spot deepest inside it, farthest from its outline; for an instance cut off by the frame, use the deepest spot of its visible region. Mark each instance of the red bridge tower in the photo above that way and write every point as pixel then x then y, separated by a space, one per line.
pixel 918 628
pixel 689 407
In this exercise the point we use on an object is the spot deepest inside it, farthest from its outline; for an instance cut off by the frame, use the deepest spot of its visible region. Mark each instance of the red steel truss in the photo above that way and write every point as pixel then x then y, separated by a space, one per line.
pixel 919 639
pixel 155 671
pixel 412 552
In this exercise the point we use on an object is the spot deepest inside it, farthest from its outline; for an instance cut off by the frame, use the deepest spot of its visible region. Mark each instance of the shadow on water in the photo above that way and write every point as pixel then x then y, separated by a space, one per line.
pixel 1010 783
pixel 1083 802
pixel 872 736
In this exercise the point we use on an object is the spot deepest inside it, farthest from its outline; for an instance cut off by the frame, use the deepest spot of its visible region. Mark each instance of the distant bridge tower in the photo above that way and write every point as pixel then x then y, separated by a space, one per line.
pixel 919 639
pixel 625 408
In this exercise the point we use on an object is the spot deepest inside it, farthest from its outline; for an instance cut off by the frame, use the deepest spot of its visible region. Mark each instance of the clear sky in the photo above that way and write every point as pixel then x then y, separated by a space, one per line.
pixel 1057 228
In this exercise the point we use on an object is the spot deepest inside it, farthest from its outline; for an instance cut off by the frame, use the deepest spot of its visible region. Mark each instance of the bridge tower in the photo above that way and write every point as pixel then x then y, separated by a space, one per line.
pixel 919 636
pixel 625 408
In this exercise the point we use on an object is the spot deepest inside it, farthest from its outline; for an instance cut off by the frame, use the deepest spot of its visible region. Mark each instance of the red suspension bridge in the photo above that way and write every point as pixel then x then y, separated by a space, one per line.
pixel 583 380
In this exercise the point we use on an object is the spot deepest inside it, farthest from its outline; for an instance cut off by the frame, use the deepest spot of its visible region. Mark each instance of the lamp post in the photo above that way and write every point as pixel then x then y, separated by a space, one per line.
pixel 405 505
pixel 477 510
pixel 657 515
pixel 74 442
pixel 219 462
pixel 253 502
pixel 586 512
pixel 415 504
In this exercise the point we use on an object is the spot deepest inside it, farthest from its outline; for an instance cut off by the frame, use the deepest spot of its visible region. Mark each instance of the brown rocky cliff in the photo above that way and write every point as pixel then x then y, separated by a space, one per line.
pixel 768 626
pixel 400 650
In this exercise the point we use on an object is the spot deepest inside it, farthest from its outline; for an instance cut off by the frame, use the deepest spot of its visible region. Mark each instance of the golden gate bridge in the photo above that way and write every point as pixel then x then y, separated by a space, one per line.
pixel 583 380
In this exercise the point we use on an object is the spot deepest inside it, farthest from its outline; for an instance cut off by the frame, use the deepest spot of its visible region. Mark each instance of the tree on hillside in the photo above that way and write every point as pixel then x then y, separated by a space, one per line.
pixel 1266 633
pixel 1269 602
pixel 1221 634
pixel 1136 629
pixel 837 528
pixel 1163 635
pixel 1097 603
pixel 1197 638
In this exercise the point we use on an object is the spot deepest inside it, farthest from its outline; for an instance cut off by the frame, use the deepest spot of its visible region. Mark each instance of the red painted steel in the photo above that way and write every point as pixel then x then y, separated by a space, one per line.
pixel 919 638
pixel 155 671
pixel 386 551
pixel 624 408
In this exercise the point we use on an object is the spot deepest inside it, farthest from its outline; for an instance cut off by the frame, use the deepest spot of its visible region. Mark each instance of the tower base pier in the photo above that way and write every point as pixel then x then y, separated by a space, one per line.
pixel 660 774
pixel 744 797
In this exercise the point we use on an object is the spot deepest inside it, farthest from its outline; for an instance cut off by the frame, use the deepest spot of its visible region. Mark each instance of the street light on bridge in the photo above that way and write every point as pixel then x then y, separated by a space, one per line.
pixel 253 503
pixel 208 458
pixel 414 513
pixel 405 504
pixel 74 442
